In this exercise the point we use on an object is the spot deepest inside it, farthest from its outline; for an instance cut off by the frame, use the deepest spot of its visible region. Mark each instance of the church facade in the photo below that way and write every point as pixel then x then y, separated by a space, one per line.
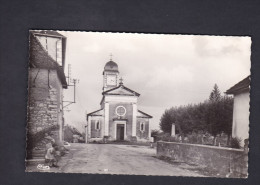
pixel 118 117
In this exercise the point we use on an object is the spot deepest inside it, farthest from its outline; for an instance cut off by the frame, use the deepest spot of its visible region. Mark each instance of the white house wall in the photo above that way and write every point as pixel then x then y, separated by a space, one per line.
pixel 241 116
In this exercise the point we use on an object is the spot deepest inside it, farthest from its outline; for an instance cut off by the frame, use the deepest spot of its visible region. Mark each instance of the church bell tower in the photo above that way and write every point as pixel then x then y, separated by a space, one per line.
pixel 110 75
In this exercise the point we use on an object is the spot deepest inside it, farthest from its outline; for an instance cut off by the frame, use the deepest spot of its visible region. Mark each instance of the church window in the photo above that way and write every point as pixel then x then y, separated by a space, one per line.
pixel 142 127
pixel 120 111
pixel 97 125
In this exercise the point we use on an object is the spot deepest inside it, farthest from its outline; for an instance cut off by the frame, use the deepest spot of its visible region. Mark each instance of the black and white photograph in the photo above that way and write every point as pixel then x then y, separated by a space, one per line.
pixel 138 104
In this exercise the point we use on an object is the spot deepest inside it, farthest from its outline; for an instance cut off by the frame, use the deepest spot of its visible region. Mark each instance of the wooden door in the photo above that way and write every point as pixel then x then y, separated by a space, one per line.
pixel 120 132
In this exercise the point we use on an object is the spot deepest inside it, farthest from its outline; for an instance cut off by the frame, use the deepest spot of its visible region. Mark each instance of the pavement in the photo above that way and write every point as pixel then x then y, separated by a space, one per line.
pixel 116 159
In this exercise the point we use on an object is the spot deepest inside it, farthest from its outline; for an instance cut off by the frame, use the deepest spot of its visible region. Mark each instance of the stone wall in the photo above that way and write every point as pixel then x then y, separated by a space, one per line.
pixel 224 161
pixel 45 101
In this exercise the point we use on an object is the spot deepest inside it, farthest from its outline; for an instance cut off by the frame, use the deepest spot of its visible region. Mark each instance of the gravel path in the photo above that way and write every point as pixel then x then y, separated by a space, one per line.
pixel 118 159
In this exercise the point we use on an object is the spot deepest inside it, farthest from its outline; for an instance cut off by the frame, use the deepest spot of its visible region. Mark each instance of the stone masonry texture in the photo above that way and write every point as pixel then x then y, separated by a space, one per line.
pixel 224 161
pixel 45 95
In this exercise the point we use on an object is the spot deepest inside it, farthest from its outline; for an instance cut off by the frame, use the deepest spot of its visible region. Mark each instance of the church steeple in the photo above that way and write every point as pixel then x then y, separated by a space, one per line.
pixel 110 75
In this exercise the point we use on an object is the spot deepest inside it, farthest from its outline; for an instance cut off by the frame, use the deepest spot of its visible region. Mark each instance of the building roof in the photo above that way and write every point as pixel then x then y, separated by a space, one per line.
pixel 39 58
pixel 121 90
pixel 141 114
pixel 240 87
pixel 49 33
pixel 111 66
pixel 98 112
pixel 73 129
pixel 55 34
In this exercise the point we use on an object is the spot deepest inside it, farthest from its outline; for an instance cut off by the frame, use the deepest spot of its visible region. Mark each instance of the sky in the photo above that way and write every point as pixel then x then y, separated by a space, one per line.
pixel 167 70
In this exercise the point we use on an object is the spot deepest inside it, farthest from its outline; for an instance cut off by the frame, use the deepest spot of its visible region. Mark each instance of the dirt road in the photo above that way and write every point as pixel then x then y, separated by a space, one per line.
pixel 118 159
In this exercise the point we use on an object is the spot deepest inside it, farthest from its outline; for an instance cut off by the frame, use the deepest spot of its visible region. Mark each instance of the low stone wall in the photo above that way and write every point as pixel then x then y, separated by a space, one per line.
pixel 224 161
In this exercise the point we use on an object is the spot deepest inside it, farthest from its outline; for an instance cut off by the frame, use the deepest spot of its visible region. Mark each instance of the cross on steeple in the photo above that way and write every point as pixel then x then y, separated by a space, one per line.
pixel 121 81
pixel 111 56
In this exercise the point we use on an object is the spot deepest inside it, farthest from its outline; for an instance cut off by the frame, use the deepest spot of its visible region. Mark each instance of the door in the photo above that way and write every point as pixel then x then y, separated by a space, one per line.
pixel 120 132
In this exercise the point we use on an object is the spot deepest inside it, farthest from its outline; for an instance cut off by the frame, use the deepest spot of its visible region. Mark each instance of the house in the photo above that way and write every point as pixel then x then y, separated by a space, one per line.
pixel 118 117
pixel 240 126
pixel 46 82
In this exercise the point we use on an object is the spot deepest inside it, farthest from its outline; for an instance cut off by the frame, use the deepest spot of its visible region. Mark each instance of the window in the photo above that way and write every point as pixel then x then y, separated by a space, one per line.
pixel 97 125
pixel 120 111
pixel 142 126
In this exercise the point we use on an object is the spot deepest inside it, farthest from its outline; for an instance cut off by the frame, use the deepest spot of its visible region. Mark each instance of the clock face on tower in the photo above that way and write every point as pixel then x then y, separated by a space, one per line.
pixel 111 80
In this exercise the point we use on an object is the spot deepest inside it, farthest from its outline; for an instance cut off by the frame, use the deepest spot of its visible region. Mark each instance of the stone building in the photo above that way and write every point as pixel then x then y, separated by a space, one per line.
pixel 240 125
pixel 46 82
pixel 118 117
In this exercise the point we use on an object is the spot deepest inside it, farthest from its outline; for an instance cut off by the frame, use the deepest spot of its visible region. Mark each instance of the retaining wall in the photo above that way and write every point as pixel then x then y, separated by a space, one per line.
pixel 224 161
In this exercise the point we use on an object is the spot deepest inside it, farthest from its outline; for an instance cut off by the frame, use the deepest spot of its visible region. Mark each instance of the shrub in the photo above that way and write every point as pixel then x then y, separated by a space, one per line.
pixel 235 142
pixel 193 139
pixel 168 138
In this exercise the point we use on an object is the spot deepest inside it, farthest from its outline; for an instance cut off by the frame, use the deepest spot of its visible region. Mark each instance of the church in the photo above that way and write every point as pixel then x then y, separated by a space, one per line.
pixel 118 117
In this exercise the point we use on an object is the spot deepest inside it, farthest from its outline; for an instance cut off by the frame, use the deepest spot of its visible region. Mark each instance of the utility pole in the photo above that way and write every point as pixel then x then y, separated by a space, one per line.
pixel 86 128
pixel 74 82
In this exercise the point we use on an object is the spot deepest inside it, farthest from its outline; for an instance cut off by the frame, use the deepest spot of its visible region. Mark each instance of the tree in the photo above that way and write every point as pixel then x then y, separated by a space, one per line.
pixel 155 133
pixel 215 94
pixel 214 111
pixel 213 115
pixel 219 113
pixel 166 122
pixel 199 117
pixel 227 116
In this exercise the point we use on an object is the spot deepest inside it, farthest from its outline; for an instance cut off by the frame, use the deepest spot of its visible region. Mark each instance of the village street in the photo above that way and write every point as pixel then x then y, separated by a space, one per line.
pixel 118 159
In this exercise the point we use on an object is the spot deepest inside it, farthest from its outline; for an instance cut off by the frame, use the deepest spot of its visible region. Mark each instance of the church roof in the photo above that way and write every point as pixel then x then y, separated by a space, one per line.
pixel 240 87
pixel 99 112
pixel 141 114
pixel 111 66
pixel 121 90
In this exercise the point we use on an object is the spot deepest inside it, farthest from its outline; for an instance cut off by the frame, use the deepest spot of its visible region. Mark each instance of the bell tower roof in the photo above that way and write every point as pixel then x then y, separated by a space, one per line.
pixel 111 66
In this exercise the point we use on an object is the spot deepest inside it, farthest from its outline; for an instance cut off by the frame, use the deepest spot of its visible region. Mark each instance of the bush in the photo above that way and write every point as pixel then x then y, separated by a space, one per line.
pixel 168 138
pixel 193 139
pixel 155 133
pixel 235 142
